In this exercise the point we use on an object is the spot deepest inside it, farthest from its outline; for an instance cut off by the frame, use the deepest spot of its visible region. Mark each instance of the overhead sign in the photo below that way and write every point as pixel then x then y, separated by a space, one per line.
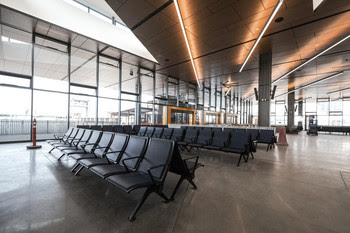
pixel 316 3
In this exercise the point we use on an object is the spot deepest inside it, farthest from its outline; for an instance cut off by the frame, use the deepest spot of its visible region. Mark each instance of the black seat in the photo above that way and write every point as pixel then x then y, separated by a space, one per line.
pixel 135 147
pixel 228 129
pixel 136 129
pixel 119 129
pixel 267 136
pixel 61 138
pixel 219 140
pixel 109 156
pixel 108 128
pixel 150 174
pixel 65 137
pixel 204 138
pixel 167 133
pixel 66 141
pixel 216 129
pixel 142 131
pixel 96 127
pixel 185 168
pixel 177 135
pixel 86 147
pixel 190 137
pixel 96 152
pixel 149 132
pixel 76 138
pixel 239 144
pixel 158 132
pixel 127 129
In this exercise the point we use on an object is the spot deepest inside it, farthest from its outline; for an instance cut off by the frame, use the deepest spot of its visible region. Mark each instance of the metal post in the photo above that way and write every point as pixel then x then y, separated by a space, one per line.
pixel 32 90
pixel 154 97
pixel 69 71
pixel 120 94
pixel 97 82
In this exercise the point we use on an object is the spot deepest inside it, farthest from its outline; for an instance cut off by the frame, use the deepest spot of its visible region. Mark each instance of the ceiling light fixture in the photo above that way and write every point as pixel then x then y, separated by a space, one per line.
pixel 343 89
pixel 274 12
pixel 312 83
pixel 302 99
pixel 311 59
pixel 228 91
pixel 187 44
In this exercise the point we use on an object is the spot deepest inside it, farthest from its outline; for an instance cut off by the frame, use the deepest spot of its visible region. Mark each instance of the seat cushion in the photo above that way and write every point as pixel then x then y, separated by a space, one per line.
pixel 212 147
pixel 81 156
pixel 130 181
pixel 68 152
pixel 92 162
pixel 108 170
pixel 233 150
pixel 195 145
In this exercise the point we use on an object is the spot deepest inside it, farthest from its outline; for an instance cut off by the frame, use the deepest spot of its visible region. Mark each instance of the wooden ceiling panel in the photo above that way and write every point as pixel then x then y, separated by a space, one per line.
pixel 221 33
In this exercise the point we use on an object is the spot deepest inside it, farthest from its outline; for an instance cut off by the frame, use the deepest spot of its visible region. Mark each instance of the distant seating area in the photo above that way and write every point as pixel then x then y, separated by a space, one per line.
pixel 128 161
pixel 334 129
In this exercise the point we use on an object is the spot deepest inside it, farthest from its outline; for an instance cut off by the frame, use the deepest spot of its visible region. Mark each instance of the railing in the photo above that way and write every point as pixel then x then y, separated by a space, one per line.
pixel 16 127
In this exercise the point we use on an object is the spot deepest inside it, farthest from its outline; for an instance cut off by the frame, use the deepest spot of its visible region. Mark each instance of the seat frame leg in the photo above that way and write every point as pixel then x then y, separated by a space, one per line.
pixel 79 170
pixel 143 199
pixel 61 157
pixel 176 188
pixel 52 149
pixel 75 166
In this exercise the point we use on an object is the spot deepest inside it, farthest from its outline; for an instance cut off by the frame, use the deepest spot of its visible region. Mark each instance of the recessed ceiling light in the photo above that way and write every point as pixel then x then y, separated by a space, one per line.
pixel 166 59
pixel 279 19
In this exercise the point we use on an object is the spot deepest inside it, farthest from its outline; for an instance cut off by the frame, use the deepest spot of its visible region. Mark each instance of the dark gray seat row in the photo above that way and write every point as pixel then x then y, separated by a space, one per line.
pixel 129 161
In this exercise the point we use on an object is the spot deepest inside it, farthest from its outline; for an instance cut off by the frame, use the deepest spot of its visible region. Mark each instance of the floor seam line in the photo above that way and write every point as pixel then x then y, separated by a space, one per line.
pixel 178 213
pixel 346 187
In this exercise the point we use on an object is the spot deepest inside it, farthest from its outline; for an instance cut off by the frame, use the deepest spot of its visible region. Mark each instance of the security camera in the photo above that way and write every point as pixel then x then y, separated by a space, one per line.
pixel 131 72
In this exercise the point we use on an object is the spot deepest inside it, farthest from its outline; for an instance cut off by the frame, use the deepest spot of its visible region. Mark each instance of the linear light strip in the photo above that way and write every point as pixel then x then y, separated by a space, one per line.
pixel 314 57
pixel 303 99
pixel 187 44
pixel 228 90
pixel 274 12
pixel 344 89
pixel 312 83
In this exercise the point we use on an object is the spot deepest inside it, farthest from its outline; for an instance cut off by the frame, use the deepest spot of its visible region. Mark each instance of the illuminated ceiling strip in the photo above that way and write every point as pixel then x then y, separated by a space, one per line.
pixel 185 36
pixel 228 90
pixel 344 89
pixel 314 57
pixel 312 83
pixel 303 99
pixel 277 7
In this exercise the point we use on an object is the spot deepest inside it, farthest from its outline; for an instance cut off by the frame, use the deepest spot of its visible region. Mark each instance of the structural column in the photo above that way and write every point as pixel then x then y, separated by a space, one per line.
pixel 265 70
pixel 291 100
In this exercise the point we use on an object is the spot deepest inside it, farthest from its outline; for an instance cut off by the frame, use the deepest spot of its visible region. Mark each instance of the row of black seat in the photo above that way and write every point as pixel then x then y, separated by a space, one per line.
pixel 127 129
pixel 334 129
pixel 128 161
pixel 264 136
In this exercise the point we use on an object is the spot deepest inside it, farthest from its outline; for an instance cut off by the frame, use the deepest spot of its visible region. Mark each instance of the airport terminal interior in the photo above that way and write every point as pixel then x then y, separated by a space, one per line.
pixel 175 116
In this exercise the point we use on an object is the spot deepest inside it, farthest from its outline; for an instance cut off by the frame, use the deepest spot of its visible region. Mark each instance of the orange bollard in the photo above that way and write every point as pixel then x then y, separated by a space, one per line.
pixel 282 138
pixel 34 146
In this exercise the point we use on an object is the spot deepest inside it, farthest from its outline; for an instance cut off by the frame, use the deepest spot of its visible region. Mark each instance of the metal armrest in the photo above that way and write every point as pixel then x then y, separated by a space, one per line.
pixel 192 157
pixel 150 173
pixel 123 161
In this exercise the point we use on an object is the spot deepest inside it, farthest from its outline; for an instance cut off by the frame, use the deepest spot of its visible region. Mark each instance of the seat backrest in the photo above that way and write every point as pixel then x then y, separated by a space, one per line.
pixel 178 135
pixel 107 128
pixel 240 129
pixel 127 129
pixel 158 132
pixel 266 135
pixel 79 134
pixel 93 140
pixel 159 152
pixel 239 139
pixel 69 132
pixel 191 135
pixel 136 147
pixel 254 133
pixel 119 129
pixel 216 129
pixel 118 145
pixel 228 129
pixel 85 138
pixel 142 131
pixel 204 136
pixel 149 132
pixel 167 132
pixel 136 128
pixel 96 127
pixel 220 138
pixel 103 143
pixel 74 133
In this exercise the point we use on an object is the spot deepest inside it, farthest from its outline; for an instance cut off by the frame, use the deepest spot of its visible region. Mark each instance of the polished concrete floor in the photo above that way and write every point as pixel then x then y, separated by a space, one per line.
pixel 300 188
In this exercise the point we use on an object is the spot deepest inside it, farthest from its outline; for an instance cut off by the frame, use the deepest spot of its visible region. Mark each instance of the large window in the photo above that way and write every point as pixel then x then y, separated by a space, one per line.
pixel 83 67
pixel 82 110
pixel 15 114
pixel 108 77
